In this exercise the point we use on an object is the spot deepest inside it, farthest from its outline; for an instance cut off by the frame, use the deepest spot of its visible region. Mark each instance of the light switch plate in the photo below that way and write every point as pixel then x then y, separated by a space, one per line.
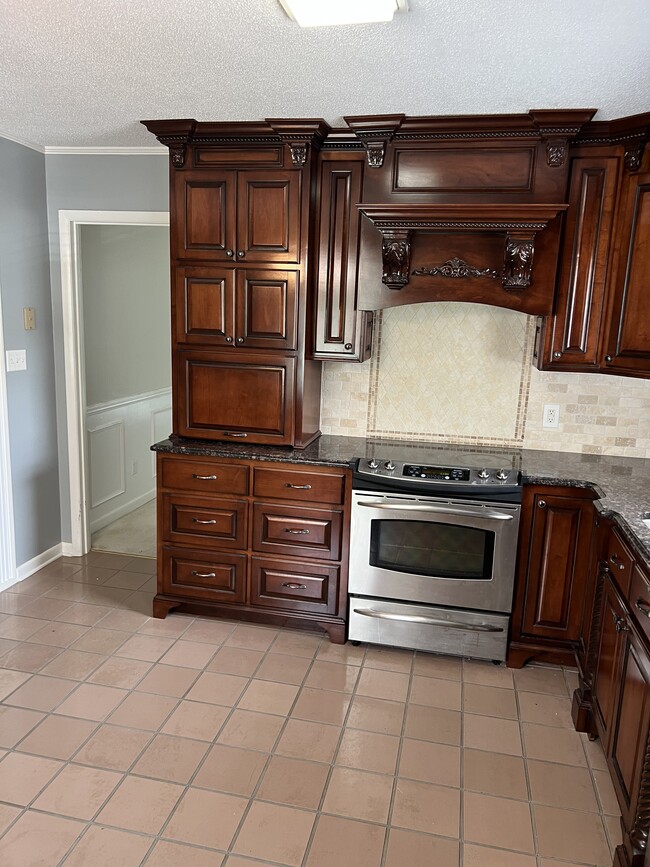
pixel 16 359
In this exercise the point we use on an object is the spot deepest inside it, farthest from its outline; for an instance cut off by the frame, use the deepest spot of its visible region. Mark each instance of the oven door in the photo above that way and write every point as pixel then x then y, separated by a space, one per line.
pixel 434 551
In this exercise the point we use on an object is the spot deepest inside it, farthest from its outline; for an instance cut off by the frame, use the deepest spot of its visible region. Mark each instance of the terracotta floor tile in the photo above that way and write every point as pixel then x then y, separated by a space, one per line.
pixel 332 675
pixel 294 782
pixel 214 688
pixel 433 724
pixel 29 657
pixel 562 786
pixel 251 638
pixel 339 841
pixel 57 737
pixel 430 762
pixel 148 648
pixel 424 807
pixel 206 818
pixel 250 730
pixel 553 745
pixel 376 715
pixel 498 822
pixel 22 777
pixel 92 574
pixel 266 697
pixel 78 792
pixel 435 665
pixel 14 603
pixel 10 680
pixel 321 705
pixel 237 861
pixel 168 854
pixel 114 748
pixel 173 626
pixel 481 856
pixel 106 847
pixel 90 701
pixel 67 590
pixel 550 710
pixel 358 795
pixel 606 794
pixel 487 674
pixel 127 580
pixel 346 654
pixel 168 680
pixel 7 816
pixel 209 631
pixel 389 685
pixel 492 734
pixel 21 628
pixel 38 839
pixel 41 693
pixel 73 664
pixel 412 847
pixel 389 659
pixel 296 644
pixel 302 739
pixel 15 723
pixel 123 621
pixel 58 634
pixel 196 720
pixel 435 692
pixel 236 660
pixel 44 608
pixel 125 673
pixel 189 654
pixel 170 758
pixel 141 805
pixel 613 829
pixel 7 644
pixel 275 832
pixel 146 565
pixel 536 679
pixel 572 836
pixel 143 711
pixel 594 753
pixel 278 667
pixel 489 700
pixel 368 751
pixel 231 770
pixel 111 597
pixel 494 774
pixel 100 640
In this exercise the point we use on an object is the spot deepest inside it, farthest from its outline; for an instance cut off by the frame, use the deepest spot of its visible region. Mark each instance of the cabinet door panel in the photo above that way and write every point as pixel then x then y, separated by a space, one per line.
pixel 210 575
pixel 203 308
pixel 267 309
pixel 293 585
pixel 205 215
pixel 235 396
pixel 268 217
pixel 607 660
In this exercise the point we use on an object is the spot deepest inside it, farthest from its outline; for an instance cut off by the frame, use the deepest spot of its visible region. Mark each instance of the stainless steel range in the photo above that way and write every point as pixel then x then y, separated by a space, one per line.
pixel 432 559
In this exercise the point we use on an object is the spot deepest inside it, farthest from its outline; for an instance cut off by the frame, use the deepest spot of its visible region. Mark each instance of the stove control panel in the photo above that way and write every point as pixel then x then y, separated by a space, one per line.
pixel 431 474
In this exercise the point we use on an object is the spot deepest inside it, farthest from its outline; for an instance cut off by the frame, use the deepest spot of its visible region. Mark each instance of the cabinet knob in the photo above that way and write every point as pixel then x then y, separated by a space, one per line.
pixel 240 254
pixel 348 346
pixel 541 504
pixel 228 339
pixel 230 253
pixel 617 562
pixel 621 625
pixel 608 358
pixel 557 354
pixel 240 340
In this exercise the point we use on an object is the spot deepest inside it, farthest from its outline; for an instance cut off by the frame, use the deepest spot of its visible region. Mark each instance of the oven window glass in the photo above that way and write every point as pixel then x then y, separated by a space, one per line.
pixel 434 550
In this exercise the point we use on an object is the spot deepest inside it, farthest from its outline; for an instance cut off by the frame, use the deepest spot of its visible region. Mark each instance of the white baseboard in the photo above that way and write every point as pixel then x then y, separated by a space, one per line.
pixel 68 550
pixel 121 511
pixel 33 565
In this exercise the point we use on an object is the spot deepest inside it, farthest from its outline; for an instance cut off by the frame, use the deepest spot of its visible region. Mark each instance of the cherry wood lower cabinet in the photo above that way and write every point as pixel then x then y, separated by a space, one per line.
pixel 253 540
pixel 553 568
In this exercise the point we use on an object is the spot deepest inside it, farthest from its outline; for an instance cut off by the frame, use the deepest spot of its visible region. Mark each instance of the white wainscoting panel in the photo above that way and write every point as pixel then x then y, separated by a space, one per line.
pixel 120 435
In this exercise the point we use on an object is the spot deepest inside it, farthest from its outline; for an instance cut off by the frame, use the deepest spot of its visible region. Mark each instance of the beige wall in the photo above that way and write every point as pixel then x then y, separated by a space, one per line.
pixel 463 373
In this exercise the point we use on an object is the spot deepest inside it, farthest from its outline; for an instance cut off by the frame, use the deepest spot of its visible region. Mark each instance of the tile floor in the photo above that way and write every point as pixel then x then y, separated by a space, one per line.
pixel 187 741
pixel 134 533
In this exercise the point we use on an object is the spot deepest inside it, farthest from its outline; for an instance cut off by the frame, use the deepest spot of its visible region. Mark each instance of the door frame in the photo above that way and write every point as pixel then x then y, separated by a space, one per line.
pixel 70 223
pixel 8 573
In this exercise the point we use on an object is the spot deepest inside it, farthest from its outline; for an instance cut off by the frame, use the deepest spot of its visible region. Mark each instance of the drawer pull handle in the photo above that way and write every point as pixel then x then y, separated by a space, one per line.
pixel 204 574
pixel 199 521
pixel 204 478
pixel 616 562
pixel 294 586
pixel 296 532
pixel 298 487
pixel 232 433
pixel 643 607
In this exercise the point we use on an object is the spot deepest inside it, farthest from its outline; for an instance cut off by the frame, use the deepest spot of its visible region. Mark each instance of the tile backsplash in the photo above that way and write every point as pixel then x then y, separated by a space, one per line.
pixel 463 373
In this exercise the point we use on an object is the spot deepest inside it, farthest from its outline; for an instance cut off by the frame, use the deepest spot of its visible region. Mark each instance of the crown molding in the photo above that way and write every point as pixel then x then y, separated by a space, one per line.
pixel 106 150
pixel 21 141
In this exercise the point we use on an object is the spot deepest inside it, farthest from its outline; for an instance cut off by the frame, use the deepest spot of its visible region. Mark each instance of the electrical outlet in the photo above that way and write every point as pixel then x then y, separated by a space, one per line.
pixel 16 359
pixel 551 417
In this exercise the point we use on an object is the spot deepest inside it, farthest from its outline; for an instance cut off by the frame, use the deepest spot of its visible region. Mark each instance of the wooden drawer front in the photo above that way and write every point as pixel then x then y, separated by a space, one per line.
pixel 205 477
pixel 204 574
pixel 297 531
pixel 191 520
pixel 639 597
pixel 299 485
pixel 620 562
pixel 294 585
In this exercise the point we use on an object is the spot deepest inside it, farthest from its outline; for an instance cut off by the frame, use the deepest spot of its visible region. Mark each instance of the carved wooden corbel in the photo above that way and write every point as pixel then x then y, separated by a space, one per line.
pixel 556 152
pixel 299 136
pixel 396 258
pixel 633 156
pixel 175 135
pixel 375 131
pixel 518 260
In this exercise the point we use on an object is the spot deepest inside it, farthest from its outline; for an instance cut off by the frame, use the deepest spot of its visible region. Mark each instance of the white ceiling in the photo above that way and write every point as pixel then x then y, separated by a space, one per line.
pixel 84 72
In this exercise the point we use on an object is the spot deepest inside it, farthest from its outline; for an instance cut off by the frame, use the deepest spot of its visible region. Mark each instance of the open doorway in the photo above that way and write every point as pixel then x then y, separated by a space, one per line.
pixel 118 374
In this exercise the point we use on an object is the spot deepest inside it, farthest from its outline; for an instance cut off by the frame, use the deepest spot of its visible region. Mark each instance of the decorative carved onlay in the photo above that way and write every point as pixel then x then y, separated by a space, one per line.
pixel 518 260
pixel 455 268
pixel 396 256
pixel 177 154
pixel 556 152
pixel 298 154
pixel 641 826
pixel 375 131
pixel 633 156
pixel 376 152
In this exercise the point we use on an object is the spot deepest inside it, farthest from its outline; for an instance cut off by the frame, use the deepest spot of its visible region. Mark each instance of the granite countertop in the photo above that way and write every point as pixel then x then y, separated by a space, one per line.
pixel 622 484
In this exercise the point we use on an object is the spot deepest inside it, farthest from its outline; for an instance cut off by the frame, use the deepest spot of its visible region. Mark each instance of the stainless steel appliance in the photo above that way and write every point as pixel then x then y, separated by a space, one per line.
pixel 432 558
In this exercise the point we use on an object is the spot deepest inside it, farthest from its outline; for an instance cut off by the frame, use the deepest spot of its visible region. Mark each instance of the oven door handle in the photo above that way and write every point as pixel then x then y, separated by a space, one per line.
pixel 438 510
pixel 432 621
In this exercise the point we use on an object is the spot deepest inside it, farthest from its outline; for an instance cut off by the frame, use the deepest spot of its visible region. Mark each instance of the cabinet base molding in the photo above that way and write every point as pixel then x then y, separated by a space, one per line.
pixel 334 627
pixel 581 714
pixel 519 653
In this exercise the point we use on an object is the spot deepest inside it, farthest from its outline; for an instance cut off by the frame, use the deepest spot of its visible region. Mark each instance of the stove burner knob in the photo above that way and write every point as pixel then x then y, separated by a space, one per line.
pixel 502 475
pixel 483 474
pixel 389 465
pixel 373 464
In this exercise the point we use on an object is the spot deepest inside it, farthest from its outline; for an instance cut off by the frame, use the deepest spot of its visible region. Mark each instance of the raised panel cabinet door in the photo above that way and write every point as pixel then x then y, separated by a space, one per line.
pixel 558 564
pixel 235 396
pixel 203 305
pixel 608 658
pixel 266 309
pixel 268 217
pixel 204 218
pixel 628 344
pixel 574 331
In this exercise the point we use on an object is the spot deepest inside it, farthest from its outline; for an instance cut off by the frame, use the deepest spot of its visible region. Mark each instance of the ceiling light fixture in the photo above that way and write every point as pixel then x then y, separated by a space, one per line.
pixel 323 13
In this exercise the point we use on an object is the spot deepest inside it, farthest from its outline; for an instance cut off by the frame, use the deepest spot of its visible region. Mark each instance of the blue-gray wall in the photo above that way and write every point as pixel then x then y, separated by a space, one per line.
pixel 92 183
pixel 25 282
